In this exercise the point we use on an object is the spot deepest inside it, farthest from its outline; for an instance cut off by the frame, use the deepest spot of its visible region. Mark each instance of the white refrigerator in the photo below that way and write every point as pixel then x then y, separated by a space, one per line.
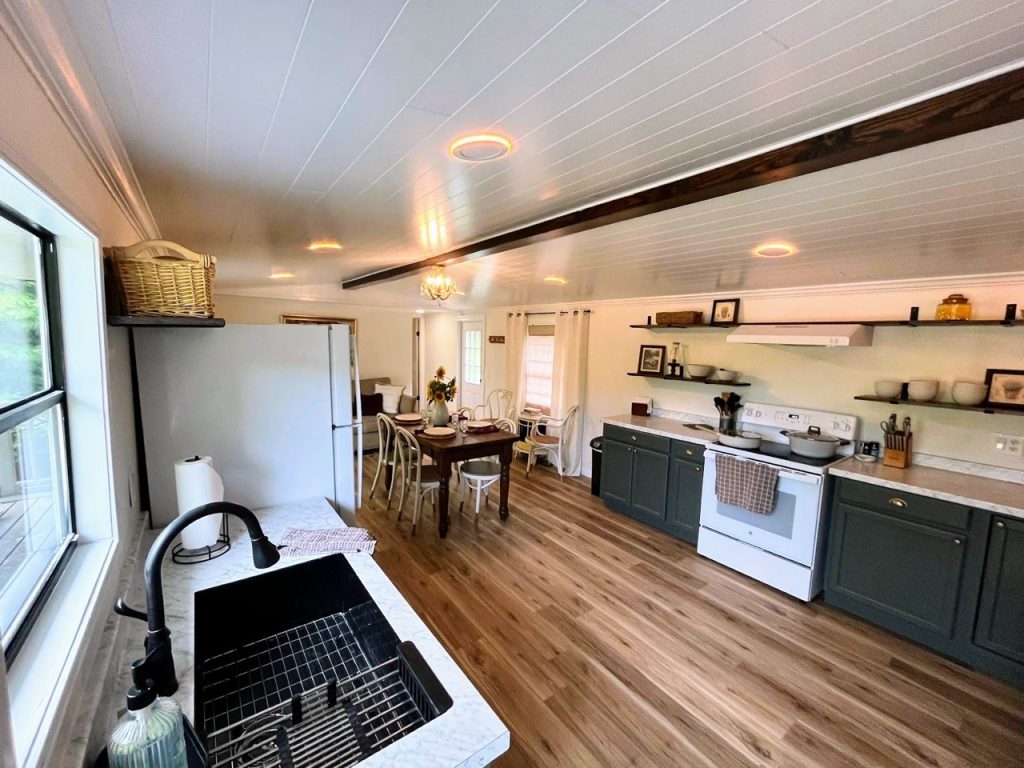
pixel 276 406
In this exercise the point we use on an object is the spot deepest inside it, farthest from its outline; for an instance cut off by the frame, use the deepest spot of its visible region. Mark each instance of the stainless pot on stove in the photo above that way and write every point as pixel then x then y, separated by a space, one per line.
pixel 814 444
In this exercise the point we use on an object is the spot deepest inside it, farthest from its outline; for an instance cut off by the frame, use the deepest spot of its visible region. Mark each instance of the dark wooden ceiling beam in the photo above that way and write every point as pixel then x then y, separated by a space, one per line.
pixel 985 104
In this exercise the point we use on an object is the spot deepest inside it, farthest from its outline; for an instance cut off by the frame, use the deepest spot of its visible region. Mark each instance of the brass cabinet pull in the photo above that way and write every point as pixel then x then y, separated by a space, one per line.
pixel 898 502
pixel 1000 524
pixel 689 451
pixel 632 437
pixel 958 542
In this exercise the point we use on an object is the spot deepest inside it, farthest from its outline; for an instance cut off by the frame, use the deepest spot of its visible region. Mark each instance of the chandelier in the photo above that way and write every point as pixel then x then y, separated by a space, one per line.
pixel 438 286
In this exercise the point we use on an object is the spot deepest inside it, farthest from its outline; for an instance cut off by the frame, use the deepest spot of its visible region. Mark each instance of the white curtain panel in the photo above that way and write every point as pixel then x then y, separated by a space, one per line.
pixel 569 380
pixel 515 357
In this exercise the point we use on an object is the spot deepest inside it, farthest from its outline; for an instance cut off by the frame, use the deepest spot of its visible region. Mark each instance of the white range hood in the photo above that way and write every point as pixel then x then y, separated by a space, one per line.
pixel 804 335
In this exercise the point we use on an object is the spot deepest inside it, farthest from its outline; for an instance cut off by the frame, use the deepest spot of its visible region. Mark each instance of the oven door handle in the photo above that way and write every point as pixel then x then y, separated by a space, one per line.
pixel 788 474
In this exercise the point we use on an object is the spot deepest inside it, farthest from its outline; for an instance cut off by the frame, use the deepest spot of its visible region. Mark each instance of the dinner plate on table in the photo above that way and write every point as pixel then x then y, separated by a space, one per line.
pixel 408 418
pixel 439 432
pixel 479 424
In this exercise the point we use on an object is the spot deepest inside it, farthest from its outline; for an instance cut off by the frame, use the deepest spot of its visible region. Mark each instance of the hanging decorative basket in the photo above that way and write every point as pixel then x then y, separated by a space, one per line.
pixel 158 277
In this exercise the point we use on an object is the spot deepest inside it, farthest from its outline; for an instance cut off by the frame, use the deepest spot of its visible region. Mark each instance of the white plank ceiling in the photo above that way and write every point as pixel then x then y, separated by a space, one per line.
pixel 255 126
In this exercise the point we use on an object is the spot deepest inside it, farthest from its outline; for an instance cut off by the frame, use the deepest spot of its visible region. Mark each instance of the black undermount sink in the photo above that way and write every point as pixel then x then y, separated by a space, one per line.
pixel 298 666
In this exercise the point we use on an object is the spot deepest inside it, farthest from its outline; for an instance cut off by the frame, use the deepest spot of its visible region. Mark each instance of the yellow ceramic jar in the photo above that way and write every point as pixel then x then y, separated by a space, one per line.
pixel 956 306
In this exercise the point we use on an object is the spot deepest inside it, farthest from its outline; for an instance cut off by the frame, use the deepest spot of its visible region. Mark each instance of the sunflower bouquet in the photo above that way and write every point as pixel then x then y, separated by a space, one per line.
pixel 439 390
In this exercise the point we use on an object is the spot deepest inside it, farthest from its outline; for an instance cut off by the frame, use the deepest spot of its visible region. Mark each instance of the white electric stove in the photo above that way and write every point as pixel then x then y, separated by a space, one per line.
pixel 785 549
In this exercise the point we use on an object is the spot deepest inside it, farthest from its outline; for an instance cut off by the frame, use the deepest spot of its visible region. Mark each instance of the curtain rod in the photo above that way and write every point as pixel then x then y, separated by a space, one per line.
pixel 541 314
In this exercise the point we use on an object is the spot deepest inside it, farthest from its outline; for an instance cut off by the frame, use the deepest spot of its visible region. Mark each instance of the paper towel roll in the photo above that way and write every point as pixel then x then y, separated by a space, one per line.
pixel 197 483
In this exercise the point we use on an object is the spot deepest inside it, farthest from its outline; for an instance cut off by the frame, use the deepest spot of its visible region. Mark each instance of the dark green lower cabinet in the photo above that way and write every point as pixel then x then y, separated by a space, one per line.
pixel 947 576
pixel 653 479
pixel 1000 624
pixel 904 574
pixel 682 516
pixel 616 474
pixel 649 485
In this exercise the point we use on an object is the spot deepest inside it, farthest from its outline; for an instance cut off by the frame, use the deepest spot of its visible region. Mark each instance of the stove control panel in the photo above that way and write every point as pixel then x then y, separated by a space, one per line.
pixel 786 417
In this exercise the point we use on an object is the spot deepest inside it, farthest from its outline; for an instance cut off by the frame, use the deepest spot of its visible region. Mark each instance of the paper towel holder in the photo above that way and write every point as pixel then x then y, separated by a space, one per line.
pixel 204 554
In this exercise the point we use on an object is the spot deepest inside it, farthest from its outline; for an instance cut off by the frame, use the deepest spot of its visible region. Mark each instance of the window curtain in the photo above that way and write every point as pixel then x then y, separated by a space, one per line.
pixel 569 379
pixel 515 357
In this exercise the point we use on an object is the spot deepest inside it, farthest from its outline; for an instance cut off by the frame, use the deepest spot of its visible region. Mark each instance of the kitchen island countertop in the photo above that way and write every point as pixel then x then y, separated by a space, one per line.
pixel 468 734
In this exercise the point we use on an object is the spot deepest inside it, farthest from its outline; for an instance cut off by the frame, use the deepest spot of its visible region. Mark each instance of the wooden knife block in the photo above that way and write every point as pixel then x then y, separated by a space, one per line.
pixel 897 458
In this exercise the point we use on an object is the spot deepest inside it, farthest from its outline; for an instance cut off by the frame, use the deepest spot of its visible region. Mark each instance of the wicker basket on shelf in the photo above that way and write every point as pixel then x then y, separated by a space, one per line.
pixel 158 277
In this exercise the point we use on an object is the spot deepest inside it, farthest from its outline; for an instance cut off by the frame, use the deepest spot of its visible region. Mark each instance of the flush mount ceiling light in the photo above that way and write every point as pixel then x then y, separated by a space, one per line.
pixel 281 275
pixel 480 147
pixel 438 286
pixel 555 280
pixel 323 246
pixel 774 250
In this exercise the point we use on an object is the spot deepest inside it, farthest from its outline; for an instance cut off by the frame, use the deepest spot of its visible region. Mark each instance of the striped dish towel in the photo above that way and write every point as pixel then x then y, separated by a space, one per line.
pixel 321 541
pixel 746 484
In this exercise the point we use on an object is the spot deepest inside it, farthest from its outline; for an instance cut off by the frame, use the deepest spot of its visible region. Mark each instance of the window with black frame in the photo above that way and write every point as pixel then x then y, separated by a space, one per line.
pixel 36 520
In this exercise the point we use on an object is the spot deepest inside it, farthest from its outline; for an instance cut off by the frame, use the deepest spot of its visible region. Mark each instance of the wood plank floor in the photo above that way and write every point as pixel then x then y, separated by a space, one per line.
pixel 601 642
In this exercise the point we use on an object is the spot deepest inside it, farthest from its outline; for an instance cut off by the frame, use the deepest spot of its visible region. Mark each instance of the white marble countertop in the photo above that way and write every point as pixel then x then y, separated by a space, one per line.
pixel 468 734
pixel 1002 496
pixel 659 425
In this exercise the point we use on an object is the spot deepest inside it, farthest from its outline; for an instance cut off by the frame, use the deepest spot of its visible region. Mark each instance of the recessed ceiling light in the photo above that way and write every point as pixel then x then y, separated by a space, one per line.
pixel 480 147
pixel 281 275
pixel 555 280
pixel 774 250
pixel 319 246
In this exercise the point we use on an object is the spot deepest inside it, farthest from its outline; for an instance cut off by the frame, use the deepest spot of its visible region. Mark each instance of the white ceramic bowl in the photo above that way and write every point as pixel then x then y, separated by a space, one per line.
pixel 724 375
pixel 922 390
pixel 694 371
pixel 969 392
pixel 888 388
pixel 750 441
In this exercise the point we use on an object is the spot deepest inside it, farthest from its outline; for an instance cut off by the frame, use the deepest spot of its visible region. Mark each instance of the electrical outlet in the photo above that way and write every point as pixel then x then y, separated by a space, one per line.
pixel 1010 445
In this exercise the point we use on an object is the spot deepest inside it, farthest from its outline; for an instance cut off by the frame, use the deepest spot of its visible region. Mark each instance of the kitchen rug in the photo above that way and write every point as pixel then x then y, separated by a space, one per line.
pixel 297 542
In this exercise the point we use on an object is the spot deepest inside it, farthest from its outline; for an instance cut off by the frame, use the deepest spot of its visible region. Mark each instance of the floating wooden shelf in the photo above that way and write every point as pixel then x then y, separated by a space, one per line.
pixel 951 406
pixel 873 323
pixel 143 321
pixel 693 381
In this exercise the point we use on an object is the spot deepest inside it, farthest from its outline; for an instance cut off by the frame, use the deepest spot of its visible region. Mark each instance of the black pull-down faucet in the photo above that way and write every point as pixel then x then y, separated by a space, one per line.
pixel 156 670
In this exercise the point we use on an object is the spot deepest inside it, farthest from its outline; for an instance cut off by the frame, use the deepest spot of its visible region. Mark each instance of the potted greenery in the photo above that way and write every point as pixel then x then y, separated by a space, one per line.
pixel 441 393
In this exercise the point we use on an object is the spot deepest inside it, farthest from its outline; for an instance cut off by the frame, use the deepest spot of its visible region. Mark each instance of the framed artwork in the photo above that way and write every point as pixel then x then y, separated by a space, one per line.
pixel 725 311
pixel 652 360
pixel 1005 387
pixel 317 320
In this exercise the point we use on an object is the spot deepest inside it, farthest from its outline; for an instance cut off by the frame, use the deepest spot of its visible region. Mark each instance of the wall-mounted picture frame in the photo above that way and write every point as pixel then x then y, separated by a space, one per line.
pixel 1005 387
pixel 725 311
pixel 318 320
pixel 651 361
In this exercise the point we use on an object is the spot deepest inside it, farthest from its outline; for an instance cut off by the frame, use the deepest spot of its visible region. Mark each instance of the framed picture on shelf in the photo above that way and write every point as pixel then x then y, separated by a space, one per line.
pixel 652 360
pixel 725 311
pixel 1005 387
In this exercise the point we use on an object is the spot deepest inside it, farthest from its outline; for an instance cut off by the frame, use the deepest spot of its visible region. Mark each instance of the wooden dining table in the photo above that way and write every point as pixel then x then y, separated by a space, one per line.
pixel 462 447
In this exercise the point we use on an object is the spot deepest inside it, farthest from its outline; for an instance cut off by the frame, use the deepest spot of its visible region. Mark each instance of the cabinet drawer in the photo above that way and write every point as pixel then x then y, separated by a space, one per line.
pixel 688 451
pixel 909 506
pixel 640 439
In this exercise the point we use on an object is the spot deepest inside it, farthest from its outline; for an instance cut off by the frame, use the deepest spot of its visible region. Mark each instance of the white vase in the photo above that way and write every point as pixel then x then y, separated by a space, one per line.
pixel 438 414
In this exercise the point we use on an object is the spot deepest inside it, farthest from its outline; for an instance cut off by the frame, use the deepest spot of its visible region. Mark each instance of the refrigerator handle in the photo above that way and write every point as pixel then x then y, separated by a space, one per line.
pixel 354 352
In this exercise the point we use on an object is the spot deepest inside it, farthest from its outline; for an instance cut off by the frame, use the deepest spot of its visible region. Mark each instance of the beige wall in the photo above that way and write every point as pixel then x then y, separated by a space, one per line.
pixel 441 343
pixel 384 336
pixel 826 379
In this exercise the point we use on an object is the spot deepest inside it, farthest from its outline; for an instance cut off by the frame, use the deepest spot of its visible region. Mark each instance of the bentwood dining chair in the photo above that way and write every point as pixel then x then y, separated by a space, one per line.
pixel 386 454
pixel 554 443
pixel 499 405
pixel 480 474
pixel 414 475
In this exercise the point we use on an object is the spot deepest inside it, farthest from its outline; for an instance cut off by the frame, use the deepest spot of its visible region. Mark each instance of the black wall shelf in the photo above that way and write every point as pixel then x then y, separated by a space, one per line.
pixel 950 406
pixel 872 323
pixel 666 377
pixel 144 321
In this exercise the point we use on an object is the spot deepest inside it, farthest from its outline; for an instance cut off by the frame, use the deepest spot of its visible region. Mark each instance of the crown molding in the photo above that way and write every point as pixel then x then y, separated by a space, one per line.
pixel 44 40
